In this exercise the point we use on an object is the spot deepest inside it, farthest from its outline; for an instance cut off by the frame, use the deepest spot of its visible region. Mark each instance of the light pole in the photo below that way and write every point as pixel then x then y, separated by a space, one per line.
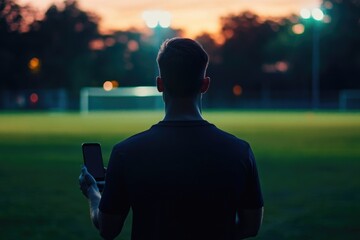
pixel 157 20
pixel 317 15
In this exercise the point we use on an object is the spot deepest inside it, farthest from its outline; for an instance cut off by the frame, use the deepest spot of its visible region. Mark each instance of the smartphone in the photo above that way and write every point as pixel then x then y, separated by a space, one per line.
pixel 93 160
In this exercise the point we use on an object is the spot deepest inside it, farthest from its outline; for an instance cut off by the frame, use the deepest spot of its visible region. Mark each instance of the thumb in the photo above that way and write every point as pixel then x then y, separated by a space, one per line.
pixel 86 176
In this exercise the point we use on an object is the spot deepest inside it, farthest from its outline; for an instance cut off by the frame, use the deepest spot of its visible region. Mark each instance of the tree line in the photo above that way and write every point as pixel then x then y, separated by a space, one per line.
pixel 258 58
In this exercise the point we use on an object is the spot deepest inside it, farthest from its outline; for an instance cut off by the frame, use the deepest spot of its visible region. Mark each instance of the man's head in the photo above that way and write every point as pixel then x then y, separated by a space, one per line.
pixel 182 63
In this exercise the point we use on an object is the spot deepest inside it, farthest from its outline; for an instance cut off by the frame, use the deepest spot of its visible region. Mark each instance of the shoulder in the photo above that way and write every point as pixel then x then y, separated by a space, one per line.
pixel 230 138
pixel 133 140
pixel 123 150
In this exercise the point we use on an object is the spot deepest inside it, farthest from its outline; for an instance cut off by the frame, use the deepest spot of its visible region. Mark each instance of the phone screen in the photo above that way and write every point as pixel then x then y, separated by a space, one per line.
pixel 93 160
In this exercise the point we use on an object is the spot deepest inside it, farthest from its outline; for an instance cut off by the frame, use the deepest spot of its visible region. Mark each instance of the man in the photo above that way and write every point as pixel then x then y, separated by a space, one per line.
pixel 183 178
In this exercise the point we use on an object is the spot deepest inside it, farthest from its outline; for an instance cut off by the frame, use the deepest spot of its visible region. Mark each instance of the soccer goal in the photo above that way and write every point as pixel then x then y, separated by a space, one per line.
pixel 124 98
pixel 349 99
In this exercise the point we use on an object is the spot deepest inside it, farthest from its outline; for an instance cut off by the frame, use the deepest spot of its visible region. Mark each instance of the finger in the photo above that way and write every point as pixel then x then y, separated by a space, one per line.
pixel 88 178
pixel 84 170
pixel 85 176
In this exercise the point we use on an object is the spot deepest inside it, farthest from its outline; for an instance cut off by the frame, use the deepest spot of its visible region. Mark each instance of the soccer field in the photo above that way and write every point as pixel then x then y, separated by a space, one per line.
pixel 308 164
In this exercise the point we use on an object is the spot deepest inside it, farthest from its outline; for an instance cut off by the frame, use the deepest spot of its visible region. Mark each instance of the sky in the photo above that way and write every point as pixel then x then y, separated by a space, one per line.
pixel 193 16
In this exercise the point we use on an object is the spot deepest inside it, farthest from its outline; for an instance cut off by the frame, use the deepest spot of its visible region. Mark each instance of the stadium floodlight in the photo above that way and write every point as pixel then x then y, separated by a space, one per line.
pixel 165 19
pixel 317 15
pixel 305 13
pixel 150 19
pixel 155 18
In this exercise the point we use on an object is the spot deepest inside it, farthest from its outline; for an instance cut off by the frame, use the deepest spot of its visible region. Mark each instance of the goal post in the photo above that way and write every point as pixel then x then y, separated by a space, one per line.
pixel 141 98
pixel 349 99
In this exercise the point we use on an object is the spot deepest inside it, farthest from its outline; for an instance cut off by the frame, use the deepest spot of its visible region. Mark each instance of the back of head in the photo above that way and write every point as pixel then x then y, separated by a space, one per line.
pixel 182 64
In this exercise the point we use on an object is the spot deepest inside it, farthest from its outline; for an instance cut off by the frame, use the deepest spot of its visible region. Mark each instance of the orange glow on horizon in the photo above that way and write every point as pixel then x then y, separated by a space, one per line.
pixel 194 17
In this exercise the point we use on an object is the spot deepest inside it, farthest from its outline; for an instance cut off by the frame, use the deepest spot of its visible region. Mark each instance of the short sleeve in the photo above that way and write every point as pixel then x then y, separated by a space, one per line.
pixel 115 199
pixel 252 196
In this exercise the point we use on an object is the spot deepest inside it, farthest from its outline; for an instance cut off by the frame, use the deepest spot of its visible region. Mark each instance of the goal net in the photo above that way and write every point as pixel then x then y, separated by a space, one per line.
pixel 124 98
pixel 349 100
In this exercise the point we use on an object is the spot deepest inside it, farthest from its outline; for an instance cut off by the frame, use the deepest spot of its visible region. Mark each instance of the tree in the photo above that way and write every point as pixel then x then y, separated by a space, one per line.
pixel 243 53
pixel 61 43
pixel 13 21
pixel 10 16
pixel 340 45
pixel 214 69
pixel 293 49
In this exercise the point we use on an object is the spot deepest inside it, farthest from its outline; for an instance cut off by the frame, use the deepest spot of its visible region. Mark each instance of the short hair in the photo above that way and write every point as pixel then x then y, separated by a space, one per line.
pixel 182 64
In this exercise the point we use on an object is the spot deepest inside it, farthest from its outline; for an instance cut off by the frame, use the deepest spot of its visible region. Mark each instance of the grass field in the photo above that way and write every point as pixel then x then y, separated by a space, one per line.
pixel 309 165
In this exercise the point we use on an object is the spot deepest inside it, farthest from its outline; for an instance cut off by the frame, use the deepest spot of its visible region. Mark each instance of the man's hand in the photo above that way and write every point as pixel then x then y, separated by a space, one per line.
pixel 89 188
pixel 87 181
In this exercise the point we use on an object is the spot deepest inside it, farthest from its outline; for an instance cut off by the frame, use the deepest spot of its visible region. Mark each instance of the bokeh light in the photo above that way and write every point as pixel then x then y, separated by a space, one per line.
pixel 20 100
pixel 108 86
pixel 237 90
pixel 109 42
pixel 317 14
pixel 154 18
pixel 305 13
pixel 327 19
pixel 79 27
pixel 328 5
pixel 150 19
pixel 165 20
pixel 97 44
pixel 34 98
pixel 298 28
pixel 115 83
pixel 282 66
pixel 133 46
pixel 34 64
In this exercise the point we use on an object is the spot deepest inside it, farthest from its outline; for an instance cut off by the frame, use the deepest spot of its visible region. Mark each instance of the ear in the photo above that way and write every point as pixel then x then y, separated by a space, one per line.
pixel 159 84
pixel 205 85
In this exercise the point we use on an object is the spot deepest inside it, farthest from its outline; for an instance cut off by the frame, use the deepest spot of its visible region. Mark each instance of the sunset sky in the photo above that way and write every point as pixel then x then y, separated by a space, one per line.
pixel 194 16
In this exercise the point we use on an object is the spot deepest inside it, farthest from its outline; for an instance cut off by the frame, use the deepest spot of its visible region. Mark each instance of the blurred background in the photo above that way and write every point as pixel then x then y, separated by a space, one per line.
pixel 285 76
pixel 263 54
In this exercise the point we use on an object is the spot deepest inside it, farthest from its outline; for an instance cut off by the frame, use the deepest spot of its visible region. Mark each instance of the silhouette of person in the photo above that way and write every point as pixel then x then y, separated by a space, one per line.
pixel 183 178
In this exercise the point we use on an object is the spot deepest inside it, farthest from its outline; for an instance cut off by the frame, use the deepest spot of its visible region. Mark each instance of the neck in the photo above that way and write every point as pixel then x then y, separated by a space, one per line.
pixel 183 109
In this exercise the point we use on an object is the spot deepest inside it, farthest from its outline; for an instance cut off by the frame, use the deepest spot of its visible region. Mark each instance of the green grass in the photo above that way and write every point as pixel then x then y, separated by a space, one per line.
pixel 308 162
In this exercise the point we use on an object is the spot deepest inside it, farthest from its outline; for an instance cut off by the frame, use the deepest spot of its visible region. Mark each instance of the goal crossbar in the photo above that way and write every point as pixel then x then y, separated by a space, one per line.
pixel 141 91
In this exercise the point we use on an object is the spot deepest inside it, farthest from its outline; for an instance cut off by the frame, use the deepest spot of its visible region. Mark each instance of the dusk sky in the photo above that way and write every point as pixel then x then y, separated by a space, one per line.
pixel 194 16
